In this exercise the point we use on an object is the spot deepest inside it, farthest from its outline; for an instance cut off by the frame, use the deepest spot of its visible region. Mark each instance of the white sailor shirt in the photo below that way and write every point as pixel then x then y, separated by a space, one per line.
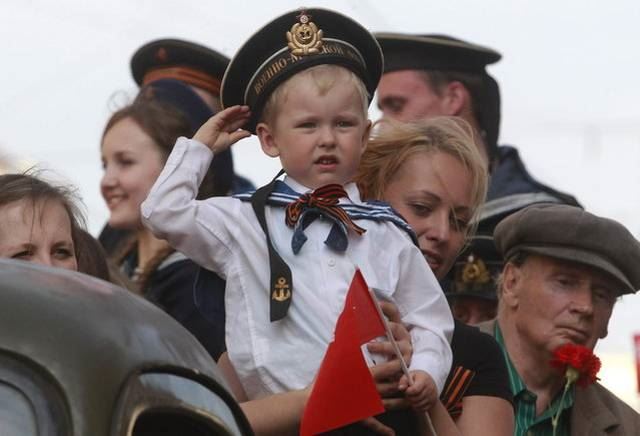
pixel 223 234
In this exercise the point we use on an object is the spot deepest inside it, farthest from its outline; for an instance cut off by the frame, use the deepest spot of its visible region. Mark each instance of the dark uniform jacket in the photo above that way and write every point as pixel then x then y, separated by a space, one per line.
pixel 596 411
pixel 513 188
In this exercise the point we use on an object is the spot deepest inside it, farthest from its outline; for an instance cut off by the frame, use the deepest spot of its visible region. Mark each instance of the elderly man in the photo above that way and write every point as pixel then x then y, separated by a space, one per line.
pixel 564 269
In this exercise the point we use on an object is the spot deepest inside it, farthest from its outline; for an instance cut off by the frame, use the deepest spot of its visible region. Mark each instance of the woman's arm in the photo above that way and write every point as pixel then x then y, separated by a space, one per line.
pixel 277 414
pixel 482 415
pixel 441 421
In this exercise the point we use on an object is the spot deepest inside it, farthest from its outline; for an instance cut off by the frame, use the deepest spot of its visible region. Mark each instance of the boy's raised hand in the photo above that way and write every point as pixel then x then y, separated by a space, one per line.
pixel 223 129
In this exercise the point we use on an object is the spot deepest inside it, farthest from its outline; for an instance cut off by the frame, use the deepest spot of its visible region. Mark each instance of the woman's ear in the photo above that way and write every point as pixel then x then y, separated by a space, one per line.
pixel 267 140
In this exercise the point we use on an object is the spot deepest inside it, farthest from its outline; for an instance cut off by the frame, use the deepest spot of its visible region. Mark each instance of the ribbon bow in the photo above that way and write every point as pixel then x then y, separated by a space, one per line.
pixel 322 201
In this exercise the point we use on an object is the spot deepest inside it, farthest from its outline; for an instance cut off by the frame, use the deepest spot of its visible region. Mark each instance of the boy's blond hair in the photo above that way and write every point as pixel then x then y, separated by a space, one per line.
pixel 324 77
pixel 393 143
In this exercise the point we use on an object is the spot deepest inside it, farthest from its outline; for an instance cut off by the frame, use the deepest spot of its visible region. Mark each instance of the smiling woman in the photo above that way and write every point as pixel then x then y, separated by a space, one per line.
pixel 39 221
pixel 135 145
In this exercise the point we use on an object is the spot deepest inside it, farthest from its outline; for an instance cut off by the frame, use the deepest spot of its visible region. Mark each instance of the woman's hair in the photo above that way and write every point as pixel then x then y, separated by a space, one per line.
pixel 393 143
pixel 31 188
pixel 323 77
pixel 164 123
pixel 90 255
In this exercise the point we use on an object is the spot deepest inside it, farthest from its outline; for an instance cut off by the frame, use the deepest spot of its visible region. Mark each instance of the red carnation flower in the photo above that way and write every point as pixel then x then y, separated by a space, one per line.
pixel 578 364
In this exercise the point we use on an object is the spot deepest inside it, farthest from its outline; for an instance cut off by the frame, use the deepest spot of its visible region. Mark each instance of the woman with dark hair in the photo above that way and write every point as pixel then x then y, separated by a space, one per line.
pixel 135 145
pixel 39 221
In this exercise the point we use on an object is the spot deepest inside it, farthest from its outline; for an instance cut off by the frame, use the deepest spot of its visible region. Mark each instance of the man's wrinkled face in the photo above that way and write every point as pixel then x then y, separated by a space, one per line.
pixel 553 302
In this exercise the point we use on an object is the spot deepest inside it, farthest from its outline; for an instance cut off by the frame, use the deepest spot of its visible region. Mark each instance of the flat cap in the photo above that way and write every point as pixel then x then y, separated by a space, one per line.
pixel 572 234
pixel 295 41
pixel 186 61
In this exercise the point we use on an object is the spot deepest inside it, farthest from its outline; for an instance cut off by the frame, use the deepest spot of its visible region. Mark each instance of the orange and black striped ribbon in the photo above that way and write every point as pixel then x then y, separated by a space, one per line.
pixel 454 390
pixel 325 199
pixel 185 74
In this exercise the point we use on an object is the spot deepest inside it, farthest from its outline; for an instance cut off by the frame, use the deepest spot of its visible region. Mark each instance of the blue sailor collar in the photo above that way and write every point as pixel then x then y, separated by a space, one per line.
pixel 288 191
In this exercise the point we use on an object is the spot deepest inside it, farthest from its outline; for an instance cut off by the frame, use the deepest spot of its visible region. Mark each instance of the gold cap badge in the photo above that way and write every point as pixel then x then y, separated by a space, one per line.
pixel 475 271
pixel 304 38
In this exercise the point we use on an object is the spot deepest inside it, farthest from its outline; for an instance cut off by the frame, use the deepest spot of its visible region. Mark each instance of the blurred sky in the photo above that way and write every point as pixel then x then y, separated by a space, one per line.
pixel 569 82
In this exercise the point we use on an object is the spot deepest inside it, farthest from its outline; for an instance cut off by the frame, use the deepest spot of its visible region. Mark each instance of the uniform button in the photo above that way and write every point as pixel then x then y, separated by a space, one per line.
pixel 331 262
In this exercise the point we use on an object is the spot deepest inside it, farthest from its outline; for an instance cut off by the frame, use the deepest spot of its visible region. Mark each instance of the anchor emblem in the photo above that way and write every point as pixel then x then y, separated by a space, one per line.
pixel 281 291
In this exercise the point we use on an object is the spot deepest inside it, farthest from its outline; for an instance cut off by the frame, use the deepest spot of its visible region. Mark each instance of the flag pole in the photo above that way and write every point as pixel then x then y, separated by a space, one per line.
pixel 390 338
pixel 398 353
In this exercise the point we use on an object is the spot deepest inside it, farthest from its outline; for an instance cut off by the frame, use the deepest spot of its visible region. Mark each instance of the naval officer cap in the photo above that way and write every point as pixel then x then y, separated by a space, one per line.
pixel 433 52
pixel 186 61
pixel 475 273
pixel 293 42
pixel 573 234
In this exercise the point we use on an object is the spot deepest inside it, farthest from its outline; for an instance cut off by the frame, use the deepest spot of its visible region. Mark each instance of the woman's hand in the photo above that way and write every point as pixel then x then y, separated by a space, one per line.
pixel 223 129
pixel 387 374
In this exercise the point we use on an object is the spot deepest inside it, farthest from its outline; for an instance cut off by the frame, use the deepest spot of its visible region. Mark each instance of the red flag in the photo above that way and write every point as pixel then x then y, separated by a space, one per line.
pixel 359 300
pixel 344 391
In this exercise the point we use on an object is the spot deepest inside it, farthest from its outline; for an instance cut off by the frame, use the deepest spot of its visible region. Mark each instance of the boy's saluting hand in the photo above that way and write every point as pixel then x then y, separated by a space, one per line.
pixel 223 129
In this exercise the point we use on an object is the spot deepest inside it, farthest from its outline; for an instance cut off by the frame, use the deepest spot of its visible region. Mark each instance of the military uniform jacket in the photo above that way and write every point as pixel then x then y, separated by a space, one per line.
pixel 596 411
pixel 223 235
pixel 512 188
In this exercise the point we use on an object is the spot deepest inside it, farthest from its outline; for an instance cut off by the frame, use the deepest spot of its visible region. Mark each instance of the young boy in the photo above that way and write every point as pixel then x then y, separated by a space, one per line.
pixel 303 85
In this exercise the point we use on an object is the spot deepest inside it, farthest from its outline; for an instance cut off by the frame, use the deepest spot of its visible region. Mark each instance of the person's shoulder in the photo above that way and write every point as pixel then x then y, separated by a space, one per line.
pixel 589 410
pixel 476 342
pixel 175 266
pixel 487 327
pixel 479 352
pixel 384 218
pixel 615 404
pixel 512 187
pixel 178 274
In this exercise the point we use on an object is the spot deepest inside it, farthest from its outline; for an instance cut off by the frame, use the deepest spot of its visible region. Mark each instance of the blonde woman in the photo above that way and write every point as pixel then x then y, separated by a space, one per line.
pixel 433 175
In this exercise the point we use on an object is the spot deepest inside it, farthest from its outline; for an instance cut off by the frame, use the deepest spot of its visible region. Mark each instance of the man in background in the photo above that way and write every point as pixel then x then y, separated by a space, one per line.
pixel 434 75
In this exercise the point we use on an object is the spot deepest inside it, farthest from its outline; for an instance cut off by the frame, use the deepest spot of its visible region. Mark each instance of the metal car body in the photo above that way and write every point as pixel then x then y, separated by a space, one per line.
pixel 79 356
